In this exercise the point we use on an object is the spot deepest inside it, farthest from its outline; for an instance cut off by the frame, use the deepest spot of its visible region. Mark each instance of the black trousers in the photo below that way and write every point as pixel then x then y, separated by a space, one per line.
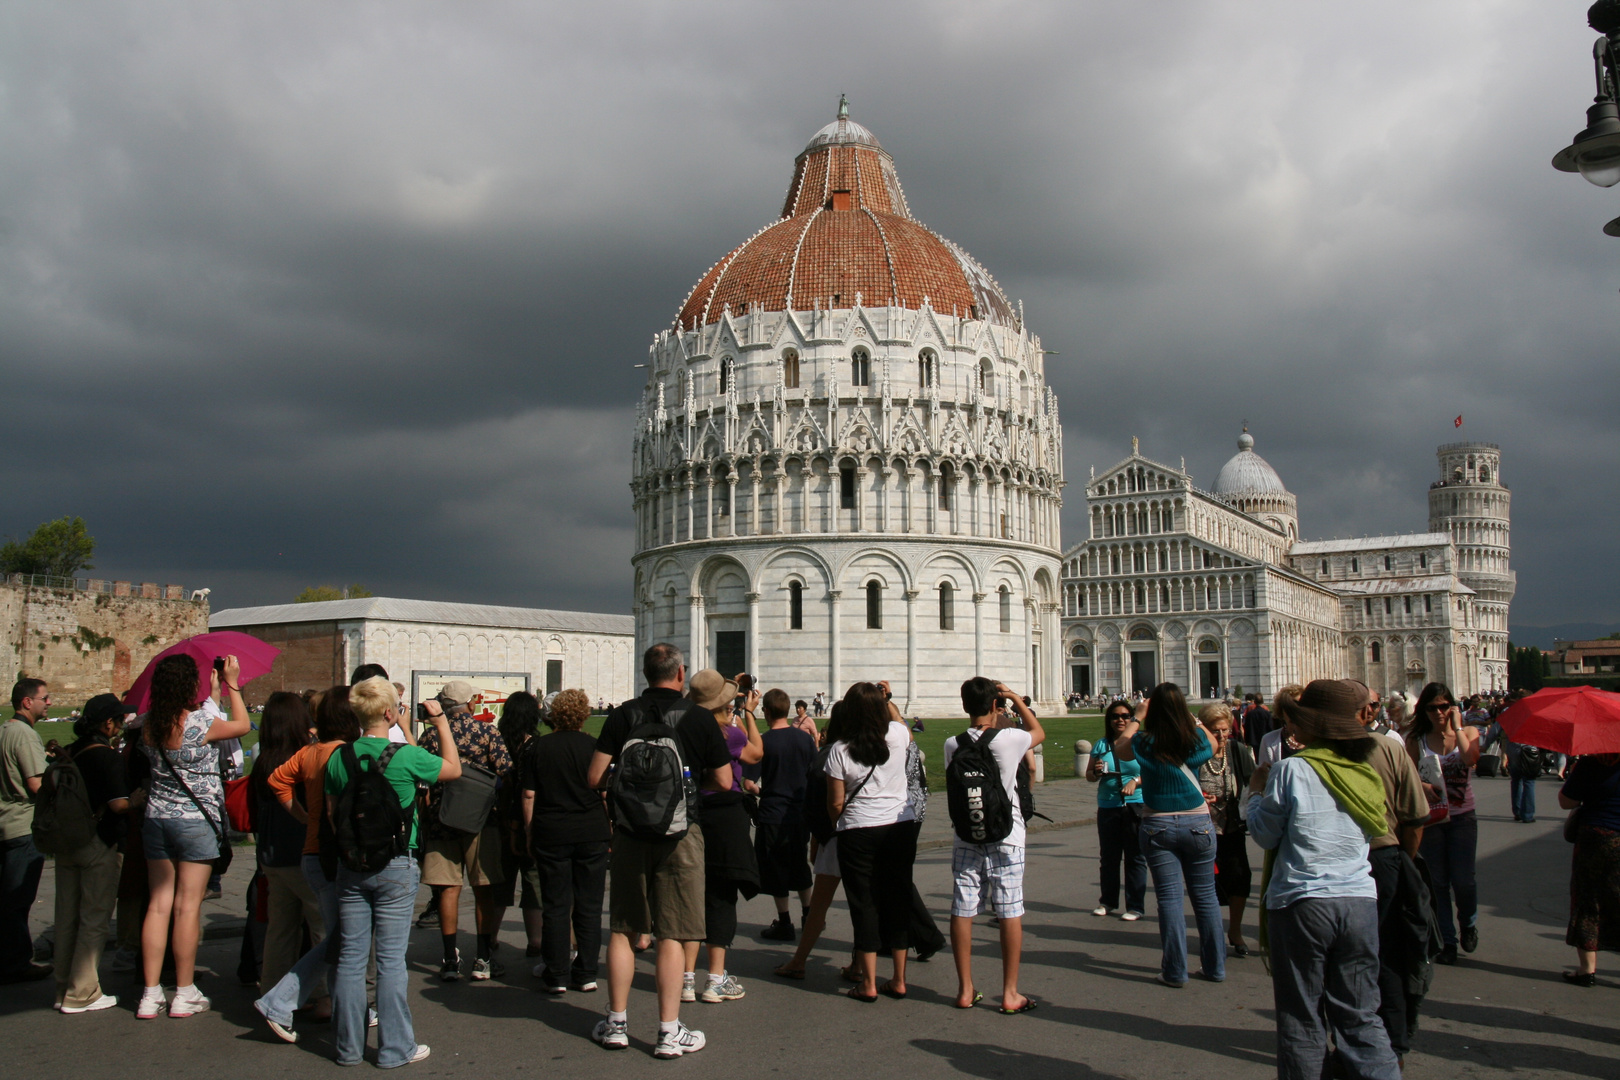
pixel 719 911
pixel 1398 1014
pixel 876 863
pixel 1119 837
pixel 573 878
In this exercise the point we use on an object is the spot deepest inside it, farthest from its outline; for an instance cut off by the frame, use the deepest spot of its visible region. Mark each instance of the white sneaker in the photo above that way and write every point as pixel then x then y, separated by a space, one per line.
pixel 371 1018
pixel 1100 910
pixel 683 1040
pixel 688 988
pixel 422 1051
pixel 612 1034
pixel 727 989
pixel 185 1004
pixel 284 1032
pixel 151 1006
pixel 1130 916
pixel 105 1001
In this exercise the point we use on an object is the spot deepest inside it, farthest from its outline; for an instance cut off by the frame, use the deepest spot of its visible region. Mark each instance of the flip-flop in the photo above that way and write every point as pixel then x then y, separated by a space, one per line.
pixel 858 996
pixel 789 973
pixel 1027 1006
pixel 849 974
pixel 1237 950
pixel 977 997
pixel 888 990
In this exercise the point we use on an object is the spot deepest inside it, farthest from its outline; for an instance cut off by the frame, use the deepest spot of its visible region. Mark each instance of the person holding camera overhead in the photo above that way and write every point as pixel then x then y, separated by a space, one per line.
pixel 1178 836
pixel 1119 820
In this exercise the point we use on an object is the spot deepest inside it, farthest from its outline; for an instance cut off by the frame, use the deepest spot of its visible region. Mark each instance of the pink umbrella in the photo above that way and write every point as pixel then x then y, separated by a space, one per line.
pixel 254 655
pixel 1567 719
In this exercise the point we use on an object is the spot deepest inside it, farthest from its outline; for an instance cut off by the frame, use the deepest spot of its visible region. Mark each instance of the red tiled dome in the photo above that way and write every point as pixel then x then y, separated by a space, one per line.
pixel 845 230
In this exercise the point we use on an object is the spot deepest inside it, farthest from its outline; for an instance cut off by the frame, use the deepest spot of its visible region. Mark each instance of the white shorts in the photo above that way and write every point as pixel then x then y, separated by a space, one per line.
pixel 827 859
pixel 989 877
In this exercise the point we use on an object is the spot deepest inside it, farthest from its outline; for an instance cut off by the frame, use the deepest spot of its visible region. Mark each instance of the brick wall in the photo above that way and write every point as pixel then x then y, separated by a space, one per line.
pixel 84 643
pixel 311 659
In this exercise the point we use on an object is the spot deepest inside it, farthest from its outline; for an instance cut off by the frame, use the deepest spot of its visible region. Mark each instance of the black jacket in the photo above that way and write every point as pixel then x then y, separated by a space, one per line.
pixel 728 843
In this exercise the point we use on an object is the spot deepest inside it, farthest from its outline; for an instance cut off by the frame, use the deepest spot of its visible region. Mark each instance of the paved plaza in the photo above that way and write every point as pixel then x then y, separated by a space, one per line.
pixel 1502 1011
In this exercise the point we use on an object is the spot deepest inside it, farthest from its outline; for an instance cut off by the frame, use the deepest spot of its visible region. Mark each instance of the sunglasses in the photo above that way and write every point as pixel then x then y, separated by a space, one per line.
pixel 1440 706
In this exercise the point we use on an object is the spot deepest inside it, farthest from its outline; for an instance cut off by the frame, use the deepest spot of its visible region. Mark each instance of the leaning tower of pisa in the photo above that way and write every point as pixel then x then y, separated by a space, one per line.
pixel 1470 503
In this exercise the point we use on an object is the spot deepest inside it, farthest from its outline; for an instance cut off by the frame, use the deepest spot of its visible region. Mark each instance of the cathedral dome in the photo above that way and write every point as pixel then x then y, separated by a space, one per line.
pixel 1247 473
pixel 845 236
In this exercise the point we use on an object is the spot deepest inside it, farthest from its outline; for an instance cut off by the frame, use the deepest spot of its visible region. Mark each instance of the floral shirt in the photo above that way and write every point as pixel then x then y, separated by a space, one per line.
pixel 479 744
pixel 197 761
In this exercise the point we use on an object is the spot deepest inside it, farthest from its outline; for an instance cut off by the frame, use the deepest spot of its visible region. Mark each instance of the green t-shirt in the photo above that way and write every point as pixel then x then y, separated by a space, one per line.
pixel 22 757
pixel 410 765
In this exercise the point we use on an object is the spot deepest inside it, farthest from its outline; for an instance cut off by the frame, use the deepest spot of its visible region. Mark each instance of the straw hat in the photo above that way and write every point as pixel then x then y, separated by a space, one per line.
pixel 1328 709
pixel 710 689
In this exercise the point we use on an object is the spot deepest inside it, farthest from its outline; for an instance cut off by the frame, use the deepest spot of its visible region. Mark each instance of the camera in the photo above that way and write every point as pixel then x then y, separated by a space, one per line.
pixel 422 713
pixel 745 683
pixel 219 664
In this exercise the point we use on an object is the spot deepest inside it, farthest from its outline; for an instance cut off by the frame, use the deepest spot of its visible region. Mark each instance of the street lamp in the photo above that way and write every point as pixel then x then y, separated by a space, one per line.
pixel 1595 152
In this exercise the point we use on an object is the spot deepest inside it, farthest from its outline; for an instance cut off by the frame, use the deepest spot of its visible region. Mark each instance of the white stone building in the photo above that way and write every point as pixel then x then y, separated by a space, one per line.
pixel 847 463
pixel 1214 590
pixel 323 642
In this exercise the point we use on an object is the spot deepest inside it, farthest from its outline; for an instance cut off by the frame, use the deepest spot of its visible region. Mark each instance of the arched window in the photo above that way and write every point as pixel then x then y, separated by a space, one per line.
pixel 1006 609
pixel 1142 633
pixel 947 606
pixel 790 369
pixel 1023 392
pixel 1484 474
pixel 846 487
pixel 795 605
pixel 874 605
pixel 1377 653
pixel 860 368
pixel 1389 562
pixel 987 378
pixel 1209 646
pixel 725 374
pixel 947 480
pixel 927 369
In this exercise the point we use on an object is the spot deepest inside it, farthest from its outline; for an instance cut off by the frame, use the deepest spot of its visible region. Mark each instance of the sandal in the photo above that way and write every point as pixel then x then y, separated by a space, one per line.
pixel 858 996
pixel 1027 1006
pixel 977 997
pixel 888 990
pixel 849 974
pixel 789 972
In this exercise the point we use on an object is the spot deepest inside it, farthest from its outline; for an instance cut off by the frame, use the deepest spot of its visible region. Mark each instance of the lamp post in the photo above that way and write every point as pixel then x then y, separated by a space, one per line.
pixel 1595 151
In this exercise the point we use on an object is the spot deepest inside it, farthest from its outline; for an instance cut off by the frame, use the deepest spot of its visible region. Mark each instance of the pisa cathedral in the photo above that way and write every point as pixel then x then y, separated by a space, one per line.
pixel 1215 591
pixel 847 465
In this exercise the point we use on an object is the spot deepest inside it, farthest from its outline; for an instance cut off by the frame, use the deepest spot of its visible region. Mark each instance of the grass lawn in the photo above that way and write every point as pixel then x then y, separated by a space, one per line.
pixel 1062 732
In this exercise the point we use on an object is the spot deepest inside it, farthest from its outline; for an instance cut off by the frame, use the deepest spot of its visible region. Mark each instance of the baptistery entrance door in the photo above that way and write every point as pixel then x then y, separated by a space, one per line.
pixel 731 652
pixel 1144 671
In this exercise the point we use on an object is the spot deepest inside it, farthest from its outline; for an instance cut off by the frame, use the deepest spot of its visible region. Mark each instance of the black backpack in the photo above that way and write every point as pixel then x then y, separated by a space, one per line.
pixel 370 825
pixel 651 792
pixel 1532 762
pixel 816 817
pixel 981 812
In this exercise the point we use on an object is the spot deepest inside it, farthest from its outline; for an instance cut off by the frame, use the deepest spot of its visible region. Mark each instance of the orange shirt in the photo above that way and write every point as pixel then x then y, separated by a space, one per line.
pixel 308 766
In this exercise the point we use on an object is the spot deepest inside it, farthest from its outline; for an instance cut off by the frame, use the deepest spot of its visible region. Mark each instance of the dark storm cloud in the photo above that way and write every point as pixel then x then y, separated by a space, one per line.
pixel 300 293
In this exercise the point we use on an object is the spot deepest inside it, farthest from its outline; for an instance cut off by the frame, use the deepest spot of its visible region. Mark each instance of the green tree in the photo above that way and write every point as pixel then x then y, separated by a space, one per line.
pixel 57 548
pixel 317 593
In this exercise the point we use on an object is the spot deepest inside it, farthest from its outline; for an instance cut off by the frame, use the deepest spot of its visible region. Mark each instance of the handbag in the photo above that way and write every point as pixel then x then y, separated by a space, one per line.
pixel 239 804
pixel 465 803
pixel 219 831
pixel 1572 825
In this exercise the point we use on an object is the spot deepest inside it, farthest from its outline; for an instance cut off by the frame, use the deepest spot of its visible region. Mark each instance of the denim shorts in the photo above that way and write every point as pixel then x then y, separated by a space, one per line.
pixel 184 839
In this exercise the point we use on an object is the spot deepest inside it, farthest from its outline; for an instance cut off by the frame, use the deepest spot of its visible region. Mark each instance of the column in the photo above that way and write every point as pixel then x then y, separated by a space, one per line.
pixel 911 648
pixel 861 475
pixel 778 483
pixel 689 501
pixel 694 633
pixel 731 503
pixel 956 500
pixel 756 520
pixel 886 498
pixel 708 522
pixel 1029 646
pixel 753 631
pixel 835 667
pixel 978 633
pixel 910 476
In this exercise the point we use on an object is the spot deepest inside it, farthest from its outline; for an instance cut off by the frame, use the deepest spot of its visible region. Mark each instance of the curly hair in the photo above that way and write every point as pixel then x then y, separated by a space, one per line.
pixel 569 710
pixel 174 693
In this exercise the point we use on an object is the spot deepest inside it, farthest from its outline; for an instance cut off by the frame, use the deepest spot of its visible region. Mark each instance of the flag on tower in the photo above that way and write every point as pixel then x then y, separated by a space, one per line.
pixel 1457 422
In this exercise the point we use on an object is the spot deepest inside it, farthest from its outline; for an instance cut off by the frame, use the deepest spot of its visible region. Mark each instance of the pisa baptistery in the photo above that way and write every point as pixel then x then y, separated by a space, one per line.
pixel 847 463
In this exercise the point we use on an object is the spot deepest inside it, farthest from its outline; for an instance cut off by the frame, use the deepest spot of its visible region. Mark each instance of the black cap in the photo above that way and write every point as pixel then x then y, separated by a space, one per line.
pixel 103 707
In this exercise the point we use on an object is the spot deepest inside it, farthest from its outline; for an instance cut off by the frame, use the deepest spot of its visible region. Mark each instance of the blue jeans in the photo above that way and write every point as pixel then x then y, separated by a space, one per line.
pixel 1180 850
pixel 1324 974
pixel 20 867
pixel 1523 791
pixel 1449 848
pixel 1119 835
pixel 380 903
pixel 306 975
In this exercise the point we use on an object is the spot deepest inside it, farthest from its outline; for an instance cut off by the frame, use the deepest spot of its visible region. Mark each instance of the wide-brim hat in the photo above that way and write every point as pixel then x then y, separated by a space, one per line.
pixel 710 689
pixel 1328 709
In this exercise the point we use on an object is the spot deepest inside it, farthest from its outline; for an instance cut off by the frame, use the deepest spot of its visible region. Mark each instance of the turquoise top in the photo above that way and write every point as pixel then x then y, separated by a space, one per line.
pixel 1108 787
pixel 1167 787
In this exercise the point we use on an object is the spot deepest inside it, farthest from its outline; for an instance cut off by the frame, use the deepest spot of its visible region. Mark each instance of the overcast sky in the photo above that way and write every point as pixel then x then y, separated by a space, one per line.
pixel 314 293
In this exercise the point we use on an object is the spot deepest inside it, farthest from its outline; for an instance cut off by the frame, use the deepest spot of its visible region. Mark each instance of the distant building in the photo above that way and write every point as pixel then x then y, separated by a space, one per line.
pixel 1585 657
pixel 1214 590
pixel 421 642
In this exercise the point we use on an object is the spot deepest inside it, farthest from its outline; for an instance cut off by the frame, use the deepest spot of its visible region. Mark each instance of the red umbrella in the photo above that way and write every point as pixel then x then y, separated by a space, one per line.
pixel 254 655
pixel 1566 719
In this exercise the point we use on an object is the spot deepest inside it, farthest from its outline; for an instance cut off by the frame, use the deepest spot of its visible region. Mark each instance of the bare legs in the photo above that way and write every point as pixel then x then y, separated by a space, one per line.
pixel 622 969
pixel 1234 927
pixel 1012 953
pixel 176 896
pixel 815 921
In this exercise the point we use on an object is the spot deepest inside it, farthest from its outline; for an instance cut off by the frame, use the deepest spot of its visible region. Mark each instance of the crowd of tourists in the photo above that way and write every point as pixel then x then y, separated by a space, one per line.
pixel 704 792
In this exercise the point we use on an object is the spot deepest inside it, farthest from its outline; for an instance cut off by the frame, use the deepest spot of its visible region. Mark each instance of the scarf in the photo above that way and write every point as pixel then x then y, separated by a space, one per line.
pixel 1356 789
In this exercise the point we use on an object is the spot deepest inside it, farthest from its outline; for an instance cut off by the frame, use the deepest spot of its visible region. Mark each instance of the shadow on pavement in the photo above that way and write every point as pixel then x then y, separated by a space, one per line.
pixel 990 1061
pixel 1496 1017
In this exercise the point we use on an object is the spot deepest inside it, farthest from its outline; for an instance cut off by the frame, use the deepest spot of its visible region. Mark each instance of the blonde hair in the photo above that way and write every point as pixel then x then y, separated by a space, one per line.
pixel 1210 715
pixel 372 699
pixel 569 710
pixel 1399 709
